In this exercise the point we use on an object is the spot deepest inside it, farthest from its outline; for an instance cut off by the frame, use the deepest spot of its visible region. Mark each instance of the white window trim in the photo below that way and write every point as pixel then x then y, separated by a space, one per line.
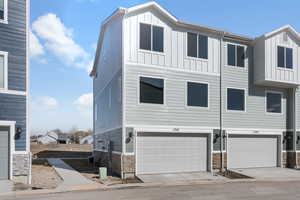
pixel 151 104
pixel 274 92
pixel 5 54
pixel 245 101
pixel 186 96
pixel 284 68
pixel 5 21
pixel 196 58
pixel 151 51
pixel 236 66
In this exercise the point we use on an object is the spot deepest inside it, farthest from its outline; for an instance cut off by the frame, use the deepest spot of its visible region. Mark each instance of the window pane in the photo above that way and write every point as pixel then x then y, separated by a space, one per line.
pixel 151 90
pixel 289 58
pixel 1 71
pixel 202 45
pixel 192 45
pixel 240 56
pixel 197 94
pixel 2 9
pixel 235 99
pixel 145 36
pixel 280 56
pixel 273 103
pixel 158 39
pixel 231 54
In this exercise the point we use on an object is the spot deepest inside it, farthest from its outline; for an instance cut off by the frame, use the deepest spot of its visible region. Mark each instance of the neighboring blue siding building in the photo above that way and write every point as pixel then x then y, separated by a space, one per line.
pixel 15 155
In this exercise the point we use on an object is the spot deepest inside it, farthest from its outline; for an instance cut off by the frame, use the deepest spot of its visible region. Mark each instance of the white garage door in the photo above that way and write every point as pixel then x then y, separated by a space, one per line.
pixel 252 151
pixel 170 153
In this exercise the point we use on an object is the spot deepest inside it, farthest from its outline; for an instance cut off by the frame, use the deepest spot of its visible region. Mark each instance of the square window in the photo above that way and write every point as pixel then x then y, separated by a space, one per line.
pixel 197 94
pixel 145 36
pixel 151 90
pixel 235 99
pixel 197 45
pixel 151 38
pixel 273 102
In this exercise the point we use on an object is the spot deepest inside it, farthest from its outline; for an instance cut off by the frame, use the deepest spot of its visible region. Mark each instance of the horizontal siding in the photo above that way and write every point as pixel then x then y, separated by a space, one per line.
pixel 13 108
pixel 113 136
pixel 175 45
pixel 13 41
pixel 255 115
pixel 174 112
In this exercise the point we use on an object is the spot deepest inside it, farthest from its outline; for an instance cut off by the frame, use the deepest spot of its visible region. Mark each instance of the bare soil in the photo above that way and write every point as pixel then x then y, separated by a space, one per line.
pixel 233 175
pixel 43 175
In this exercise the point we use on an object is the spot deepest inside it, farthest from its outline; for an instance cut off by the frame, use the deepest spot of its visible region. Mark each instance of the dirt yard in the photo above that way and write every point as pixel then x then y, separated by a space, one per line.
pixel 43 175
pixel 61 150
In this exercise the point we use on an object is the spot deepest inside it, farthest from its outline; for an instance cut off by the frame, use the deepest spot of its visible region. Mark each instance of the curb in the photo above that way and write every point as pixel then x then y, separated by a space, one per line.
pixel 139 185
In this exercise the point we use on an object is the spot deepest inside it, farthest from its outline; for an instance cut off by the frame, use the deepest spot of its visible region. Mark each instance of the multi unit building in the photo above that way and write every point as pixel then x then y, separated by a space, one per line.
pixel 15 156
pixel 171 96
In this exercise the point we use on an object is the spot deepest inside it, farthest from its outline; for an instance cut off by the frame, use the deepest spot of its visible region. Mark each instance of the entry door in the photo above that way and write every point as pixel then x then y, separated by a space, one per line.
pixel 171 153
pixel 4 153
pixel 252 151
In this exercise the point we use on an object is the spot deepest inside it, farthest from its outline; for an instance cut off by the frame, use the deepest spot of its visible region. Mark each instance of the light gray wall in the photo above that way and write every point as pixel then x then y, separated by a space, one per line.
pixel 174 112
pixel 255 116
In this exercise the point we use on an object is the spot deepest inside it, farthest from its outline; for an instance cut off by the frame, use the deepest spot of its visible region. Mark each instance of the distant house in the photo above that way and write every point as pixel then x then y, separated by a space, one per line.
pixel 87 140
pixel 53 138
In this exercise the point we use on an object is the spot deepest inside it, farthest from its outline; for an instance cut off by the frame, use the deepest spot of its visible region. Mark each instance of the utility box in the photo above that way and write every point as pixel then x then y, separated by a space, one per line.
pixel 103 173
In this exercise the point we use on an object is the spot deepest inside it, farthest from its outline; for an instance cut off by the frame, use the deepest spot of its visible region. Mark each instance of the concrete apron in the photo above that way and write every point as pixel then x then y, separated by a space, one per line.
pixel 6 186
pixel 179 177
pixel 270 173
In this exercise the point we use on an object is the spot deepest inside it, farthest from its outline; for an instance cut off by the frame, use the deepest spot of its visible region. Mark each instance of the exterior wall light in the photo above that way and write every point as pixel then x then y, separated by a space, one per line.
pixel 18 133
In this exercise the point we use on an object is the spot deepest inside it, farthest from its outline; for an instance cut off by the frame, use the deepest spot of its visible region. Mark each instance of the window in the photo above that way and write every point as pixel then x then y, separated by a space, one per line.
pixel 151 90
pixel 3 70
pixel 3 10
pixel 235 99
pixel 235 55
pixel 285 57
pixel 197 45
pixel 151 37
pixel 273 102
pixel 197 94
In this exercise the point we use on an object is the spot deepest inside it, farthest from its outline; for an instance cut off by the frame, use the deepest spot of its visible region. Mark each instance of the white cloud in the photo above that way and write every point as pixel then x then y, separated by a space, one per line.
pixel 84 104
pixel 59 40
pixel 44 103
pixel 35 47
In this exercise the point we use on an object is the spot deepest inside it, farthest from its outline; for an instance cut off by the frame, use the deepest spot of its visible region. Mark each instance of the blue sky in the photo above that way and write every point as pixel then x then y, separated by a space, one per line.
pixel 64 35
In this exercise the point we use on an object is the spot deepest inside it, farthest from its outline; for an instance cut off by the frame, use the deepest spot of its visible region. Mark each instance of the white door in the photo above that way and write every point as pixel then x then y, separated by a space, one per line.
pixel 252 151
pixel 170 153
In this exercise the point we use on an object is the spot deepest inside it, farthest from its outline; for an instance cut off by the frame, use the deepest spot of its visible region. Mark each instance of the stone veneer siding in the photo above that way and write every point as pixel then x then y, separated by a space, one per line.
pixel 21 167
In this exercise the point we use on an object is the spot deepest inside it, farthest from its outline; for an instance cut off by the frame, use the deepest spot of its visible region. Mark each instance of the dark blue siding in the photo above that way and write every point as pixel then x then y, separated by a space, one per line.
pixel 13 41
pixel 13 108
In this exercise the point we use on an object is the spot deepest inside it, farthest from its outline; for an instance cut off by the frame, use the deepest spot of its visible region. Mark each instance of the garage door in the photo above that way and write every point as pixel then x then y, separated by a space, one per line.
pixel 252 151
pixel 170 153
pixel 4 153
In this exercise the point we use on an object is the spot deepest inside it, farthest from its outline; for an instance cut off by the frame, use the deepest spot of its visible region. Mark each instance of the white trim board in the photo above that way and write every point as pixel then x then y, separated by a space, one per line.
pixel 5 20
pixel 5 71
pixel 175 129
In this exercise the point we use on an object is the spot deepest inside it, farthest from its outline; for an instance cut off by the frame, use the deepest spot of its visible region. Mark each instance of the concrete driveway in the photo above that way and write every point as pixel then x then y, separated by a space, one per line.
pixel 274 173
pixel 179 177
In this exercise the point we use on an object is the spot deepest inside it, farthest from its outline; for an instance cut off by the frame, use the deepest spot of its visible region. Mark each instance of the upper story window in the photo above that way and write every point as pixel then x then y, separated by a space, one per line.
pixel 3 11
pixel 151 37
pixel 197 45
pixel 235 55
pixel 274 102
pixel 285 57
pixel 235 99
pixel 197 94
pixel 3 70
pixel 151 90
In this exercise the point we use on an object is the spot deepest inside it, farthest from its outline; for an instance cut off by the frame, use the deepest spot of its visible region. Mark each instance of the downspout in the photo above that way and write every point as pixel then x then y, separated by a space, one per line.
pixel 295 127
pixel 221 103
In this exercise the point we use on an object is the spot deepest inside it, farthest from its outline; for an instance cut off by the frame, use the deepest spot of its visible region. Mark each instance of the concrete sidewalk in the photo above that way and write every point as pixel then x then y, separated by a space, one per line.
pixel 71 178
pixel 6 186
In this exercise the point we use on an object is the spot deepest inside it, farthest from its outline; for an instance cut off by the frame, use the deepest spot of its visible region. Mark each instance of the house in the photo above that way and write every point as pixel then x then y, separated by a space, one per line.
pixel 53 138
pixel 15 157
pixel 171 96
pixel 86 140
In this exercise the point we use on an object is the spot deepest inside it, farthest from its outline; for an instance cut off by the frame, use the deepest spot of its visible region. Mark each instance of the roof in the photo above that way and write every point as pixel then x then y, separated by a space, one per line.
pixel 123 11
pixel 284 28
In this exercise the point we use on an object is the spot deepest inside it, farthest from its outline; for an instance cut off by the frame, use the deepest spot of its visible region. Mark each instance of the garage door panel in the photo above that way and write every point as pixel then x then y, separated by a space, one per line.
pixel 4 154
pixel 247 152
pixel 166 153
